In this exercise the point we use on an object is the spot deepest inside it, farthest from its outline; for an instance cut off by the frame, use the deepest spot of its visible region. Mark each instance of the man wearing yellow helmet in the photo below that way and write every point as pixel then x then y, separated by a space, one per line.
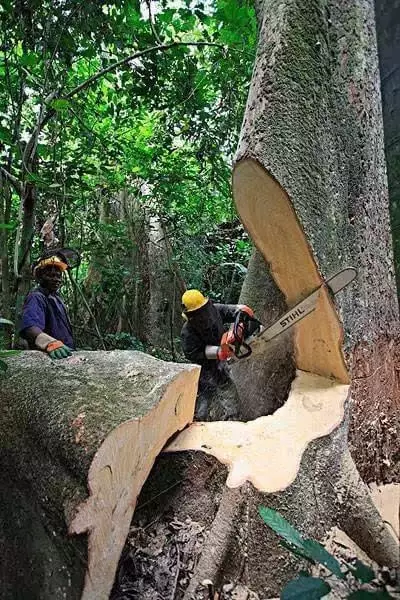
pixel 205 341
pixel 45 324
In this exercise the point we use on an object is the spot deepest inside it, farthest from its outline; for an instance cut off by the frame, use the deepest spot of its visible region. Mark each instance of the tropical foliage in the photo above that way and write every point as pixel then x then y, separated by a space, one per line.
pixel 352 578
pixel 116 116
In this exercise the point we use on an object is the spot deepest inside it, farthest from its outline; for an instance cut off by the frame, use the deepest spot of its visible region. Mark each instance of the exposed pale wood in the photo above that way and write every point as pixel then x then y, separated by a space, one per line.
pixel 96 421
pixel 267 451
pixel 387 501
pixel 268 214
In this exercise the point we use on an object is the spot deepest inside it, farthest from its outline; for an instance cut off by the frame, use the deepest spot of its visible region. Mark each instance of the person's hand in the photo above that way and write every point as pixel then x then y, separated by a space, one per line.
pixel 225 350
pixel 247 309
pixel 58 350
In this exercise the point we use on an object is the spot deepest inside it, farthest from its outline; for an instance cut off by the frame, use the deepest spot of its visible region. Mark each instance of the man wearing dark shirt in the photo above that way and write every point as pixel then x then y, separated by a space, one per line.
pixel 206 342
pixel 45 323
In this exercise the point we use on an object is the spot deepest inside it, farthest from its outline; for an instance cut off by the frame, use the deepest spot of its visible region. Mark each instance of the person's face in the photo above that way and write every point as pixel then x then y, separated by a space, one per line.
pixel 51 278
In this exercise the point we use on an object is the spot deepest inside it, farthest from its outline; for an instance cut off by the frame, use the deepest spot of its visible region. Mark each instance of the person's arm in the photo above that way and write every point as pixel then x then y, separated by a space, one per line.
pixel 196 352
pixel 228 312
pixel 33 324
pixel 192 346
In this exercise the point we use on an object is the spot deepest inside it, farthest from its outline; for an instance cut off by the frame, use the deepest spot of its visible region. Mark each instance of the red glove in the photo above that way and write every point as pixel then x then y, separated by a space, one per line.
pixel 246 309
pixel 225 350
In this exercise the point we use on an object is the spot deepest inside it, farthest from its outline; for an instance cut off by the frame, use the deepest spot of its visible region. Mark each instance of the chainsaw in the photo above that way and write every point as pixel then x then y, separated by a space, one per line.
pixel 247 330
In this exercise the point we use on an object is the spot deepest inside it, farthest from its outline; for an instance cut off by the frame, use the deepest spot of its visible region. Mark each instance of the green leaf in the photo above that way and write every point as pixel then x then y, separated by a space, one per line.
pixel 32 178
pixel 296 551
pixel 282 527
pixel 60 104
pixel 317 552
pixel 8 225
pixel 43 150
pixel 7 353
pixel 305 588
pixel 5 135
pixel 28 60
pixel 3 366
pixel 308 548
pixel 365 595
pixel 362 572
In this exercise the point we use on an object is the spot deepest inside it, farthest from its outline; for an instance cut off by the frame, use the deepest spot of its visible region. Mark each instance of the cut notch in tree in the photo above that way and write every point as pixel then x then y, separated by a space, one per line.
pixel 268 214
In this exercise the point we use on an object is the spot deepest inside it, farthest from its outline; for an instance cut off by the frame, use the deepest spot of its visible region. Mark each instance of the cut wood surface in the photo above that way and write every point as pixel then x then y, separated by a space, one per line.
pixel 276 230
pixel 93 423
pixel 267 451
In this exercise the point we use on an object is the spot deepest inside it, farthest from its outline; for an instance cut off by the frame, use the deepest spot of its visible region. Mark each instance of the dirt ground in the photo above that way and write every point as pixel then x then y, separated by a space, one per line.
pixel 169 529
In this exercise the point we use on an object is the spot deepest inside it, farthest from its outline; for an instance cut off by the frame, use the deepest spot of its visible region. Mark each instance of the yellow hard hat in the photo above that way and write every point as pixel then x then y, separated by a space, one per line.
pixel 53 261
pixel 193 300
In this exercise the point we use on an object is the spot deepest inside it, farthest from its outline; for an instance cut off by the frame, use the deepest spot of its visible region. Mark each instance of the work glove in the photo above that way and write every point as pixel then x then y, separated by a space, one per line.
pixel 58 350
pixel 225 349
pixel 246 309
pixel 54 348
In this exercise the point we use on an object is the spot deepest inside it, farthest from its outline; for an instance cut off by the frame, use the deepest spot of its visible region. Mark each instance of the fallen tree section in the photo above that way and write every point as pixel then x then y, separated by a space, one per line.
pixel 93 423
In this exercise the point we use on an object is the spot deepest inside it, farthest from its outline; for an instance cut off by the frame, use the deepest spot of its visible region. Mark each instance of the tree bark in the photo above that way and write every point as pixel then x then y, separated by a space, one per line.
pixel 93 422
pixel 310 182
pixel 165 290
pixel 23 242
pixel 5 209
pixel 271 373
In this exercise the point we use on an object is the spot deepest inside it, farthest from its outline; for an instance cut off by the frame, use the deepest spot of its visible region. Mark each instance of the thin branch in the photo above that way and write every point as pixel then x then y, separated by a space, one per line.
pixel 43 119
pixel 49 63
pixel 196 87
pixel 85 302
pixel 124 61
pixel 87 128
pixel 29 74
pixel 17 185
pixel 152 25
pixel 176 576
pixel 8 78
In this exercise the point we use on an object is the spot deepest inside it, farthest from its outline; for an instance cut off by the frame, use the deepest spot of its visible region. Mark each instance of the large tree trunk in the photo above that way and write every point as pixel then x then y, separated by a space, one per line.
pixel 5 209
pixel 273 370
pixel 309 184
pixel 93 422
pixel 165 289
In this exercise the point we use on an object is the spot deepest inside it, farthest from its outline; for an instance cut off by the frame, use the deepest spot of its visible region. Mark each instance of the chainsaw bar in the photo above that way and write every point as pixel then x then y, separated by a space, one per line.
pixel 334 284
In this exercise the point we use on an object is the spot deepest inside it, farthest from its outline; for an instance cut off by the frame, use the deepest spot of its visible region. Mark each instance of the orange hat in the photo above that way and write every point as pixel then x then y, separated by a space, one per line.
pixel 51 261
